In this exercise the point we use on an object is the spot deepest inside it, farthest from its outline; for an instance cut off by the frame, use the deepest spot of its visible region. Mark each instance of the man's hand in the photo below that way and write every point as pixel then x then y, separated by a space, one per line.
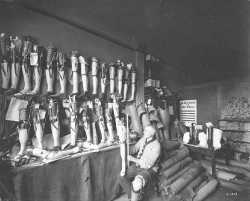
pixel 132 159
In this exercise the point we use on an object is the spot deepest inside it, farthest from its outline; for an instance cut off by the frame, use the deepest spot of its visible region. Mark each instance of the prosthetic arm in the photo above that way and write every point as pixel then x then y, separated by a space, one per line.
pixel 74 66
pixel 50 70
pixel 54 122
pixel 84 74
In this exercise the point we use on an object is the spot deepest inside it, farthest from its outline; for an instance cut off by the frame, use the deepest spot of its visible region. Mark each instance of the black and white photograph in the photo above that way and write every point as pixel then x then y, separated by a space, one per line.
pixel 124 100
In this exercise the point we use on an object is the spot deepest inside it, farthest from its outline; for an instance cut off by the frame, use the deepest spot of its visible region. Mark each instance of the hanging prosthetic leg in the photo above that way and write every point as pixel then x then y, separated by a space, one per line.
pixel 101 123
pixel 5 70
pixel 133 84
pixel 15 54
pixel 54 122
pixel 74 126
pixel 23 132
pixel 74 67
pixel 94 72
pixel 121 132
pixel 108 114
pixel 111 79
pixel 135 120
pixel 84 74
pixel 27 46
pixel 50 69
pixel 93 120
pixel 126 79
pixel 38 123
pixel 165 119
pixel 37 60
pixel 104 72
pixel 120 68
pixel 84 110
pixel 61 75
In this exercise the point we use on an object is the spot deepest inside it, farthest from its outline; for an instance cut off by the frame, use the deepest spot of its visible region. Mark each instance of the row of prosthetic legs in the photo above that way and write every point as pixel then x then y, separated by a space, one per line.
pixel 26 57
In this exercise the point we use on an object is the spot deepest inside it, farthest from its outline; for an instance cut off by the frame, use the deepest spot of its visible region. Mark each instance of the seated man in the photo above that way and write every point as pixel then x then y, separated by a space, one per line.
pixel 144 166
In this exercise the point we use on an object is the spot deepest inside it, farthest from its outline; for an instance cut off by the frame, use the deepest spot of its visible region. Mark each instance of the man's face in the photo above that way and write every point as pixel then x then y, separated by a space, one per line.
pixel 149 132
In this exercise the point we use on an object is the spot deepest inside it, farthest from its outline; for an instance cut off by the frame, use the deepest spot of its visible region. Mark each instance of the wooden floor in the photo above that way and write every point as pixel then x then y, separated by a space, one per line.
pixel 221 194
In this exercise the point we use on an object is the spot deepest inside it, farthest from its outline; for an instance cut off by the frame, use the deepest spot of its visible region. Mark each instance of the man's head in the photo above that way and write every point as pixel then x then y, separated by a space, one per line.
pixel 149 131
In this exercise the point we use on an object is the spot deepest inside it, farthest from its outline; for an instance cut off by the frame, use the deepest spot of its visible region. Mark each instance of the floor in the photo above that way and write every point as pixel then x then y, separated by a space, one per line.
pixel 222 194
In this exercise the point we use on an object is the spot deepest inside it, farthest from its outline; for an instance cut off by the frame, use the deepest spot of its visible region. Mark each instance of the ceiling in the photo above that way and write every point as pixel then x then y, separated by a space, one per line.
pixel 206 39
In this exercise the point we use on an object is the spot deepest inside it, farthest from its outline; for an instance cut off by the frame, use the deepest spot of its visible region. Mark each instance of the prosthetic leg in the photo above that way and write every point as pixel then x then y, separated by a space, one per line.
pixel 126 77
pixel 104 72
pixel 27 45
pixel 61 75
pixel 101 123
pixel 38 123
pixel 133 84
pixel 121 132
pixel 74 66
pixel 93 120
pixel 94 71
pixel 37 62
pixel 86 123
pixel 111 79
pixel 54 122
pixel 119 78
pixel 23 132
pixel 108 114
pixel 50 70
pixel 74 126
pixel 135 120
pixel 15 51
pixel 5 71
pixel 84 74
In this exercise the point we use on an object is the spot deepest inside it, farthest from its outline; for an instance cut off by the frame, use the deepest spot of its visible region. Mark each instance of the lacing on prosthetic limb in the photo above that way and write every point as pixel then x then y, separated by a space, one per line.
pixel 50 70
pixel 54 122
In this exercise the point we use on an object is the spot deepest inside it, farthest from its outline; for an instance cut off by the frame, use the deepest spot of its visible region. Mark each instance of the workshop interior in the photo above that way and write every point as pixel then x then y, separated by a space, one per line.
pixel 119 100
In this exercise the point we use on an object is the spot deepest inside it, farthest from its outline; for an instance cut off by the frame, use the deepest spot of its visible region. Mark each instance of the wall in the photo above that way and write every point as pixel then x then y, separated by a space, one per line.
pixel 19 21
pixel 212 97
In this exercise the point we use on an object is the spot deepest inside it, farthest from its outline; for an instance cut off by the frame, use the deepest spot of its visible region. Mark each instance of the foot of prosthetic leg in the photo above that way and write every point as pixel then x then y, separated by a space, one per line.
pixel 137 186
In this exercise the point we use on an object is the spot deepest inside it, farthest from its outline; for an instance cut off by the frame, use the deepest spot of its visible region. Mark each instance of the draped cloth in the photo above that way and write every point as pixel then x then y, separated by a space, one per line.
pixel 91 177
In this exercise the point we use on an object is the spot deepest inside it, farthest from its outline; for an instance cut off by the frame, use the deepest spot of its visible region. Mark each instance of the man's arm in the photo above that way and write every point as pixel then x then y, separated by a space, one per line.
pixel 135 148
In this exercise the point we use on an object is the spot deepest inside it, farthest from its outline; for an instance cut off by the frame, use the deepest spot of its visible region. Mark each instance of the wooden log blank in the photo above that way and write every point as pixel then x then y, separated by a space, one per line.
pixel 180 154
pixel 206 190
pixel 176 167
pixel 187 177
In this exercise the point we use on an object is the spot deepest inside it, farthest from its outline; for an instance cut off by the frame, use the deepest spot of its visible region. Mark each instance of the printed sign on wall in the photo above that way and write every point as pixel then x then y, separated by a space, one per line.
pixel 188 111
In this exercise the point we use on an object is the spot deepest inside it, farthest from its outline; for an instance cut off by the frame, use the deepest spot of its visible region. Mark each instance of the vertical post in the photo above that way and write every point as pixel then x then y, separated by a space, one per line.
pixel 127 139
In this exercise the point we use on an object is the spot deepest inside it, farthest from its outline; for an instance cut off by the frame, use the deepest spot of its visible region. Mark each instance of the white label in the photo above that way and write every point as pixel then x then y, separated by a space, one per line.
pixel 188 111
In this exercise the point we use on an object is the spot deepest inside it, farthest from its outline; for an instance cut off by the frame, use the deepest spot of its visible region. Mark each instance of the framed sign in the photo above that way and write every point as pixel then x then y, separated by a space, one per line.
pixel 188 111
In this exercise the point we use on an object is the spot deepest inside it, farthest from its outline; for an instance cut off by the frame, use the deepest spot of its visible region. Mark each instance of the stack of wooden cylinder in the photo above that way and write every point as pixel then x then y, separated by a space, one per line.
pixel 231 174
pixel 181 178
